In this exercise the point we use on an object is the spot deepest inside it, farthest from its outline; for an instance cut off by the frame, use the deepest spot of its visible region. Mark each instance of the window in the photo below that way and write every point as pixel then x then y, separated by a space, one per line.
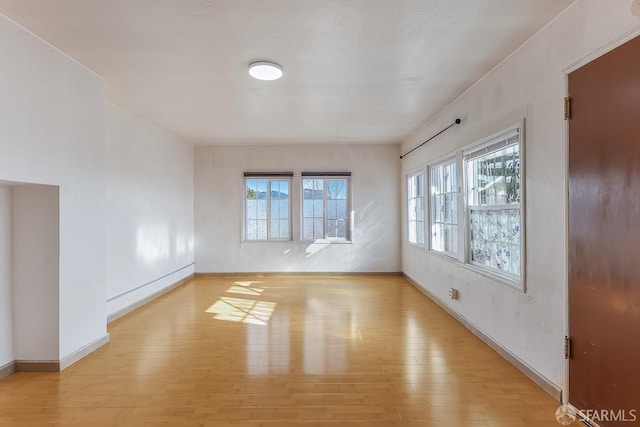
pixel 443 218
pixel 267 208
pixel 325 207
pixel 415 208
pixel 494 195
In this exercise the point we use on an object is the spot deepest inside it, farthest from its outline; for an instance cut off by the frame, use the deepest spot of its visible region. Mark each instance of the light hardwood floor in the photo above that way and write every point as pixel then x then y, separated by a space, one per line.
pixel 284 351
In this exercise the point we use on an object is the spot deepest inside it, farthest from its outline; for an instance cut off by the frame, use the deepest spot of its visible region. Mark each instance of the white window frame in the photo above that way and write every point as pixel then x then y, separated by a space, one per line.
pixel 269 179
pixel 348 218
pixel 455 193
pixel 409 177
pixel 493 143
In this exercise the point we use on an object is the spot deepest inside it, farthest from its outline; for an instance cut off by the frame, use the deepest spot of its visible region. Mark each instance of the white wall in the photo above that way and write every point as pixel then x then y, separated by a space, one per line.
pixel 149 209
pixel 6 276
pixel 219 209
pixel 52 132
pixel 528 84
pixel 36 258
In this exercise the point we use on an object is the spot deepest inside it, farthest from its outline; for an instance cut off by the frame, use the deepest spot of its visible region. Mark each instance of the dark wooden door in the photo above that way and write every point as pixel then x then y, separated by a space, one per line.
pixel 604 234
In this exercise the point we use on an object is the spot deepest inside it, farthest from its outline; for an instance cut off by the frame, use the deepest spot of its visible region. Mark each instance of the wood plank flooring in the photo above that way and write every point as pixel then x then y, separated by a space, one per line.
pixel 284 351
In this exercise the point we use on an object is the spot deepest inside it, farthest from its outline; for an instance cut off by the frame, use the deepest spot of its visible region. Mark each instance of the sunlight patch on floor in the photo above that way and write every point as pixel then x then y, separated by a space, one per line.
pixel 242 310
pixel 245 291
pixel 246 283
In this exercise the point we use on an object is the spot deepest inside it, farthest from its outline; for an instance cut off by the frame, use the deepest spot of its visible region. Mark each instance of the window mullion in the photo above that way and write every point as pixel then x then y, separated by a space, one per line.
pixel 324 210
pixel 268 225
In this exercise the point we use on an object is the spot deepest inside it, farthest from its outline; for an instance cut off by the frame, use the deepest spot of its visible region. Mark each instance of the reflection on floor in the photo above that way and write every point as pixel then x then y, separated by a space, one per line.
pixel 284 351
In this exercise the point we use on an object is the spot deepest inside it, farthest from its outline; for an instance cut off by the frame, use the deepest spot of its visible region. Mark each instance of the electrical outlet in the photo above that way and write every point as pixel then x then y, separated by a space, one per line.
pixel 635 7
pixel 453 293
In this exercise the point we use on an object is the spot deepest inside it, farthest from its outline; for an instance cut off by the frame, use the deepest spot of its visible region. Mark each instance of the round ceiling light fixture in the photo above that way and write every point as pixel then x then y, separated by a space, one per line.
pixel 265 70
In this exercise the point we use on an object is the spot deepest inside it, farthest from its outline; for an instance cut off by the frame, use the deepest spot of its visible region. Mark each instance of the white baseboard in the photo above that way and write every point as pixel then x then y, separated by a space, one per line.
pixel 72 358
pixel 300 273
pixel 7 369
pixel 128 301
pixel 552 389
pixel 52 365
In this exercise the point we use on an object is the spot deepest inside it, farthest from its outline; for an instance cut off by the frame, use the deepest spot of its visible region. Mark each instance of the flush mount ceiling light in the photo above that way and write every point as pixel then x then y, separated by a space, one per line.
pixel 264 70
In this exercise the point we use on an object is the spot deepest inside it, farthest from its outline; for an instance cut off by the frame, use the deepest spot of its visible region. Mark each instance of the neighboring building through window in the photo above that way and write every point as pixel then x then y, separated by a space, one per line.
pixel 325 207
pixel 494 196
pixel 267 207
pixel 415 208
pixel 443 218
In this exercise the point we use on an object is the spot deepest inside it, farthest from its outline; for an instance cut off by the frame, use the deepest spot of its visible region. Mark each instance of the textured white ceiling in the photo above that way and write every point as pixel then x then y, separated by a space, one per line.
pixel 356 71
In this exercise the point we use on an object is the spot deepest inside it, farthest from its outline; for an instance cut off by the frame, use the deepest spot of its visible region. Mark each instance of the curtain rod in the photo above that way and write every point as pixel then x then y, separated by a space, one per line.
pixel 456 122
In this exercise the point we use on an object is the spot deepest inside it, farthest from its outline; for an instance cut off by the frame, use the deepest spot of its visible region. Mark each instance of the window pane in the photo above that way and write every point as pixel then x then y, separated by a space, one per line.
pixel 437 242
pixel 274 228
pixel 342 229
pixel 420 232
pixel 341 193
pixel 412 232
pixel 284 209
pixel 318 229
pixel 448 217
pixel 262 229
pixel 438 208
pixel 284 189
pixel 444 213
pixel 262 209
pixel 275 209
pixel 332 210
pixel 495 239
pixel 448 238
pixel 252 230
pixel 318 210
pixel 411 187
pixel 419 209
pixel 454 237
pixel 279 229
pixel 454 178
pixel 284 229
pixel 415 207
pixel 494 178
pixel 261 188
pixel 332 228
pixel 252 209
pixel 454 209
pixel 332 189
pixel 313 188
pixel 411 210
pixel 341 206
pixel 307 229
pixel 306 188
pixel 307 208
pixel 446 175
pixel 275 189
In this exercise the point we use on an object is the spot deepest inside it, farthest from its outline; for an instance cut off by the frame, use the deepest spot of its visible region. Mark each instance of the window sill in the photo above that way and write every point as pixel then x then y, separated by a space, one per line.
pixel 512 283
pixel 445 255
pixel 268 241
pixel 325 242
pixel 302 242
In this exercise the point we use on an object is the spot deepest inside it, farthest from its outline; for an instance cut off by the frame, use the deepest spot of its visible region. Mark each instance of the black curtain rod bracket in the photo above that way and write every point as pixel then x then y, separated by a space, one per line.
pixel 456 122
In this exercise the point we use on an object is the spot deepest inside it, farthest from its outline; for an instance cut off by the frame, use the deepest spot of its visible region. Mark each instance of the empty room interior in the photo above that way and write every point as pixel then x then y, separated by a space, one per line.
pixel 319 213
